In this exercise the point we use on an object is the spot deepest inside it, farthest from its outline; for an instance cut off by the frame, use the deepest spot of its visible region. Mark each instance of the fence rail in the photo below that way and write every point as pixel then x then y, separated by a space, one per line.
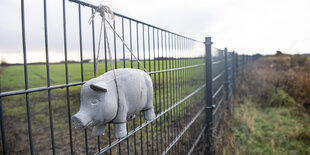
pixel 188 89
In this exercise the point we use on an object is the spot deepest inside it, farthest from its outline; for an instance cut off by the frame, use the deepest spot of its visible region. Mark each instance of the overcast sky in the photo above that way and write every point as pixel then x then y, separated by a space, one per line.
pixel 246 26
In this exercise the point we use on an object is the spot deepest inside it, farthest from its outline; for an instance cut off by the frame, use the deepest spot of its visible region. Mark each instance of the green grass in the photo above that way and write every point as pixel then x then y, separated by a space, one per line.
pixel 12 77
pixel 270 130
pixel 14 107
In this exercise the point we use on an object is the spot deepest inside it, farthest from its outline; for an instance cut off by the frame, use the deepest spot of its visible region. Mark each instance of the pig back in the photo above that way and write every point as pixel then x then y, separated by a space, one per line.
pixel 134 86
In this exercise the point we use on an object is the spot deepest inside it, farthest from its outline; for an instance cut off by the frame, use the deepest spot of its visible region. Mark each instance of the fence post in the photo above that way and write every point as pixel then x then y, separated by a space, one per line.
pixel 237 63
pixel 243 60
pixel 2 126
pixel 226 80
pixel 209 102
pixel 233 72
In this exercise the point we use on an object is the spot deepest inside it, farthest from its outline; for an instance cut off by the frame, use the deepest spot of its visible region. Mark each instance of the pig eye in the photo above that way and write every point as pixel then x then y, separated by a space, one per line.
pixel 94 101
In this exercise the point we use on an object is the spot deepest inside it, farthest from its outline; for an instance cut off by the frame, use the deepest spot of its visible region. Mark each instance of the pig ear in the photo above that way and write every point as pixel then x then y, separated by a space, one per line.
pixel 98 87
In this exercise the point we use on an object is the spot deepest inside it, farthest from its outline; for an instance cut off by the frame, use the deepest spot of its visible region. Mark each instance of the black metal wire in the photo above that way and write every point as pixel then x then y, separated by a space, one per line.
pixel 178 88
pixel 170 88
pixel 130 35
pixel 48 78
pixel 149 49
pixel 140 119
pixel 123 37
pixel 167 92
pixel 26 75
pixel 110 142
pixel 2 126
pixel 114 39
pixel 155 85
pixel 115 60
pixel 27 91
pixel 137 30
pixel 174 87
pixel 163 139
pixel 183 85
pixel 66 73
pixel 94 44
pixel 143 43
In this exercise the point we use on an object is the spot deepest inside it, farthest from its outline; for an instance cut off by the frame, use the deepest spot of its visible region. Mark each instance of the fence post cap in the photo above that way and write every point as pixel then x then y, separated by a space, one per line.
pixel 208 41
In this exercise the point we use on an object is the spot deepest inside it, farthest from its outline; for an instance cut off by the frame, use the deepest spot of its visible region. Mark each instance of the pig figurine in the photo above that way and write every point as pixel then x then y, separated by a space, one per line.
pixel 99 101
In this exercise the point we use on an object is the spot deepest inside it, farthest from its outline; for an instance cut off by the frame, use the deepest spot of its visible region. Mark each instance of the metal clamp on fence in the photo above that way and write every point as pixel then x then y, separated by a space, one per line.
pixel 211 107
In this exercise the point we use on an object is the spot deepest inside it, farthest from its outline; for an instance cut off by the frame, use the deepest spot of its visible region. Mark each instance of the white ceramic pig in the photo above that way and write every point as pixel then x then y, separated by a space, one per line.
pixel 99 101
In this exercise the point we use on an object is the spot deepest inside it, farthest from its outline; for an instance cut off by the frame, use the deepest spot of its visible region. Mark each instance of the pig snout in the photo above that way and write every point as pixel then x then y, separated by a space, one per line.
pixel 81 120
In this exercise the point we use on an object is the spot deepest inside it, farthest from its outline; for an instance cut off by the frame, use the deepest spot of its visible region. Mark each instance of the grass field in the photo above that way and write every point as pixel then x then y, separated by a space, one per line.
pixel 13 76
pixel 170 86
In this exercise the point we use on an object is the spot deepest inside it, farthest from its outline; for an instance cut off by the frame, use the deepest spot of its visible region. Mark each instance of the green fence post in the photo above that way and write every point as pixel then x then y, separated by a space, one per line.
pixel 243 60
pixel 226 83
pixel 233 72
pixel 237 64
pixel 209 102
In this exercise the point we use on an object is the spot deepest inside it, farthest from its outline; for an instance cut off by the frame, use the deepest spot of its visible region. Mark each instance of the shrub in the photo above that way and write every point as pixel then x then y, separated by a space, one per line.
pixel 288 74
pixel 280 98
pixel 298 60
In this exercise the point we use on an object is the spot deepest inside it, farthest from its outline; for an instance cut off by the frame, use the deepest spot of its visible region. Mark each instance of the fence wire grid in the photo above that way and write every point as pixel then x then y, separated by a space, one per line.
pixel 193 84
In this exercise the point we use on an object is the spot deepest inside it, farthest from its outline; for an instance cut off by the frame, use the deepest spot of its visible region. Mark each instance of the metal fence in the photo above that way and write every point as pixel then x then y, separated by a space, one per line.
pixel 193 84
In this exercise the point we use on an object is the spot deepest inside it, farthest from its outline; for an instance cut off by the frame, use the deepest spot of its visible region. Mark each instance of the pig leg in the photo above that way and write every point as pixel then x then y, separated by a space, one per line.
pixel 98 130
pixel 149 114
pixel 120 130
pixel 148 111
pixel 121 119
